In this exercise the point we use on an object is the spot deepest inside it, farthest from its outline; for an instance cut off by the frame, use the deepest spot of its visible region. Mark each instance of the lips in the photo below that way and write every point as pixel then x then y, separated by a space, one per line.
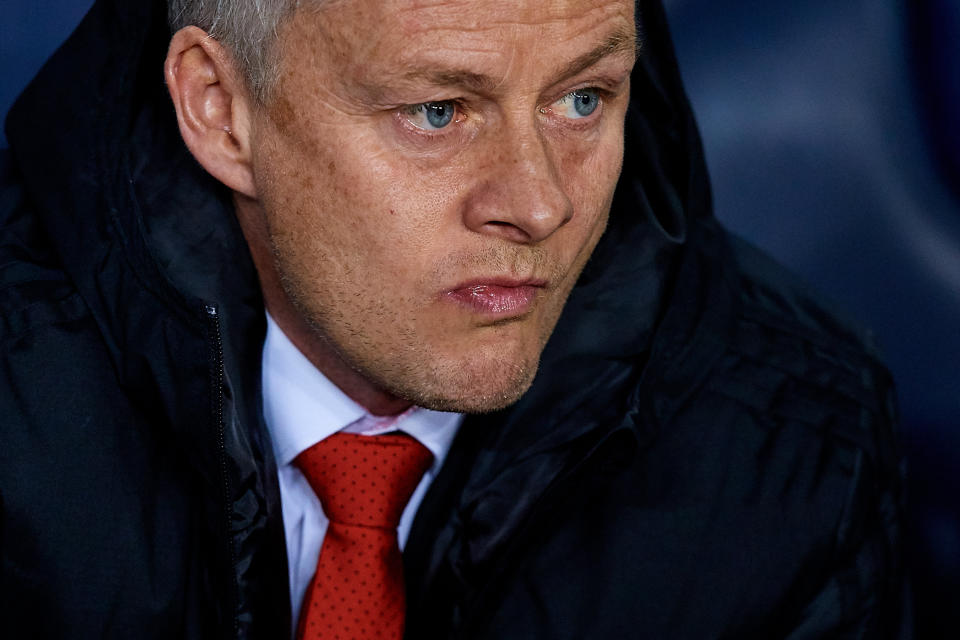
pixel 497 298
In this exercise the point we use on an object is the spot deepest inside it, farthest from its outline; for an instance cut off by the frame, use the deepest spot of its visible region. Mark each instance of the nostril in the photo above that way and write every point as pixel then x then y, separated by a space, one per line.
pixel 508 231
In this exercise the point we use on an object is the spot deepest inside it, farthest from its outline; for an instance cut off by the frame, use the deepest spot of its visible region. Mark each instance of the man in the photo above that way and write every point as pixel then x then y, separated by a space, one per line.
pixel 693 448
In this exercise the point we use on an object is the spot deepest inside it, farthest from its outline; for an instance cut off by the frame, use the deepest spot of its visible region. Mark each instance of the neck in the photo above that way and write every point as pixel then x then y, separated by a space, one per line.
pixel 375 400
pixel 315 347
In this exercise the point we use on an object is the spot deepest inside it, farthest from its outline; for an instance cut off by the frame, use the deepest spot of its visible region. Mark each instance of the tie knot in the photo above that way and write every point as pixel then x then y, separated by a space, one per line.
pixel 365 480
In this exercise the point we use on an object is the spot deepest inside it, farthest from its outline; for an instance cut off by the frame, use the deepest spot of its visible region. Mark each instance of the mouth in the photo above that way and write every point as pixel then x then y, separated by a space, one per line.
pixel 497 298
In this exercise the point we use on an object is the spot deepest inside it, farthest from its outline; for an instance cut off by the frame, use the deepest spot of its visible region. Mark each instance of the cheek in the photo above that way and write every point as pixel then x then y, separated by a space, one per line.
pixel 358 218
pixel 590 172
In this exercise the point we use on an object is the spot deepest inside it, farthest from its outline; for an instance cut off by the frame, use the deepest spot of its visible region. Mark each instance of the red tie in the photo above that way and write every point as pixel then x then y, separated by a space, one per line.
pixel 364 483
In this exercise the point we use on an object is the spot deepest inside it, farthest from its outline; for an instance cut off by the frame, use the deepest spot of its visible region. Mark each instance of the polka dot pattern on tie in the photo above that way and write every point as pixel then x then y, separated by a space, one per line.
pixel 364 484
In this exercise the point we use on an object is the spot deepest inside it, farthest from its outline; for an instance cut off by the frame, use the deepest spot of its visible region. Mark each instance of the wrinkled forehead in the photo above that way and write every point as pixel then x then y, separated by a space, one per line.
pixel 478 13
pixel 357 32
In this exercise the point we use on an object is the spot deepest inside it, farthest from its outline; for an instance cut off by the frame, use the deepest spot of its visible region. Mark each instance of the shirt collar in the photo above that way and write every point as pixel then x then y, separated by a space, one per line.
pixel 302 407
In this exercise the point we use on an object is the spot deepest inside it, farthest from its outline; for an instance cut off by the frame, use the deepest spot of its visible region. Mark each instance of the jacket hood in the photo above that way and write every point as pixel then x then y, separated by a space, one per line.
pixel 150 243
pixel 129 211
pixel 95 141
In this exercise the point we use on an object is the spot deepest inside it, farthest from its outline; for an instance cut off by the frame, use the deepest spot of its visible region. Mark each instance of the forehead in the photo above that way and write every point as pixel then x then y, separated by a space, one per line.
pixel 412 16
pixel 357 33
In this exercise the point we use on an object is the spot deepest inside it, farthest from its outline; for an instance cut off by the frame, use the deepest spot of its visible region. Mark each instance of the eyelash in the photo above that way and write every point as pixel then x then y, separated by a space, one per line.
pixel 462 113
pixel 603 96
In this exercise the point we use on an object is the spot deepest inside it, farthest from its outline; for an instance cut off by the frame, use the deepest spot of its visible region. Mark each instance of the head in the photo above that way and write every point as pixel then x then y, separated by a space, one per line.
pixel 420 183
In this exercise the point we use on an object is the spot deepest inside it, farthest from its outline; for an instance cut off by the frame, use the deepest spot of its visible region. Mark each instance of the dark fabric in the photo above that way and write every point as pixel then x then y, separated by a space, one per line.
pixel 706 452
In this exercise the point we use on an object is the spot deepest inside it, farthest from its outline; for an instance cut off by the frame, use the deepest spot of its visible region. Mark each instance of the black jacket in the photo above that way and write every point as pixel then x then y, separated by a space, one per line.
pixel 706 452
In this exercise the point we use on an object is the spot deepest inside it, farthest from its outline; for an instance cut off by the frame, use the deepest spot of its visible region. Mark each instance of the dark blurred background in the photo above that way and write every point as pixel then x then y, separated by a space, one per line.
pixel 832 132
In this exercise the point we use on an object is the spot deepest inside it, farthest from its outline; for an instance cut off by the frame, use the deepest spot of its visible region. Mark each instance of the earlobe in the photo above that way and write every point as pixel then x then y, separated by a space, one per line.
pixel 212 107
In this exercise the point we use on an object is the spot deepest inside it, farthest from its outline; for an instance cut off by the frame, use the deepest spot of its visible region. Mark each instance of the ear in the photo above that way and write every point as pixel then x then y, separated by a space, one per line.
pixel 213 107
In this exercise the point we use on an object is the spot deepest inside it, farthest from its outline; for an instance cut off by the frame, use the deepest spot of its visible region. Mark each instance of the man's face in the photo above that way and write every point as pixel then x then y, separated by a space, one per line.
pixel 433 177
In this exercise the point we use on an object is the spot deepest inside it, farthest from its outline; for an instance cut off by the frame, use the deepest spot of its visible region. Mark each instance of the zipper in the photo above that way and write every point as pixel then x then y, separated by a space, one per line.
pixel 217 377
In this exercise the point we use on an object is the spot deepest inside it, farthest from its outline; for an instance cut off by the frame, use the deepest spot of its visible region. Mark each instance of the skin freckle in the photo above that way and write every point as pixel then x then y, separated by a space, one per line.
pixel 514 200
pixel 282 113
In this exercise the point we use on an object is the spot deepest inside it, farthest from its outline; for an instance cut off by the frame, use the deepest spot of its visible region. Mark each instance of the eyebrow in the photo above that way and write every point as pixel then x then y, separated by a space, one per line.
pixel 477 82
pixel 623 41
pixel 617 43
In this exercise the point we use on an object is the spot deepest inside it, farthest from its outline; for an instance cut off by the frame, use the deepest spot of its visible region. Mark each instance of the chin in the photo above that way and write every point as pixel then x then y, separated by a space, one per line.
pixel 469 388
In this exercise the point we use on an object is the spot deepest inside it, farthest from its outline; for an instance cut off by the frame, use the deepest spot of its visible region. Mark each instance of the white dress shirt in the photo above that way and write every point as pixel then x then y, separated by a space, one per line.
pixel 301 407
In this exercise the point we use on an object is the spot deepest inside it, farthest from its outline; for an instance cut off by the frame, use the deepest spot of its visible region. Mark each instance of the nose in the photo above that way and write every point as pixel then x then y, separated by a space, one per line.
pixel 521 197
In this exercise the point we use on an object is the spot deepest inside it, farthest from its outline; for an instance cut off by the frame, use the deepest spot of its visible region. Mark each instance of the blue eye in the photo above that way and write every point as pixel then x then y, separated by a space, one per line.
pixel 579 104
pixel 432 115
pixel 439 114
pixel 585 102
